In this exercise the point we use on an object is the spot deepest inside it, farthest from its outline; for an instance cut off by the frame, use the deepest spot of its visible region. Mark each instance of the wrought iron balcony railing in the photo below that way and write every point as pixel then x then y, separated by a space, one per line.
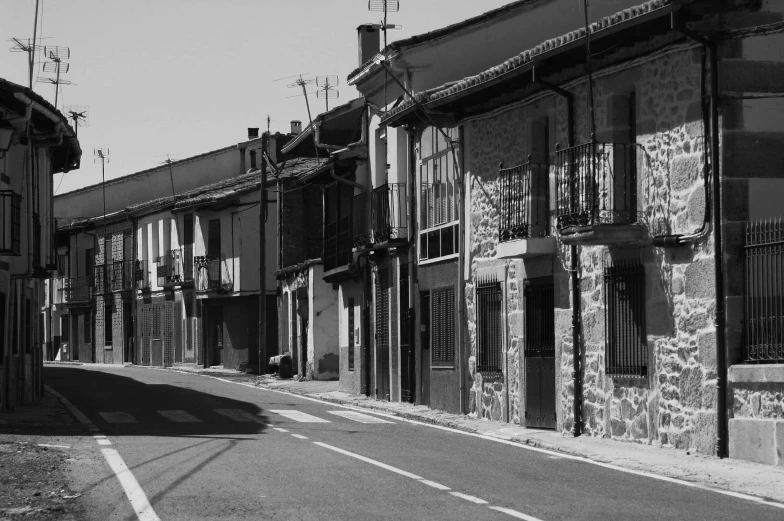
pixel 122 275
pixel 337 243
pixel 102 279
pixel 143 274
pixel 175 267
pixel 523 202
pixel 596 184
pixel 10 223
pixel 212 274
pixel 389 213
pixel 72 289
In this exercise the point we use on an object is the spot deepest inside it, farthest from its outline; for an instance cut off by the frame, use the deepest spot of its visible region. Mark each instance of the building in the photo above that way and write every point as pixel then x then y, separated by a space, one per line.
pixel 608 221
pixel 36 142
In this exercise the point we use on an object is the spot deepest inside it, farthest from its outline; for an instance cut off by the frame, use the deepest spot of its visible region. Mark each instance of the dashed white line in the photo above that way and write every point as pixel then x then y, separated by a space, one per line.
pixel 472 499
pixel 515 513
pixel 300 436
pixel 103 441
pixel 358 417
pixel 48 445
pixel 139 502
pixel 279 429
pixel 299 416
pixel 371 461
pixel 433 484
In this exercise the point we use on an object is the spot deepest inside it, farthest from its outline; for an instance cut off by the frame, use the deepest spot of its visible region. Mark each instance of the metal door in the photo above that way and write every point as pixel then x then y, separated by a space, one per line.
pixel 382 334
pixel 146 331
pixel 539 354
pixel 407 380
pixel 168 335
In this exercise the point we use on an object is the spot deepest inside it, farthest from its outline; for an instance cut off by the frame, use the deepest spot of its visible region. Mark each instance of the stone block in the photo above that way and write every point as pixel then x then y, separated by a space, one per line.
pixel 680 440
pixel 704 432
pixel 618 427
pixel 685 172
pixel 517 323
pixel 772 373
pixel 639 428
pixel 696 207
pixel 700 279
pixel 753 440
pixel 706 347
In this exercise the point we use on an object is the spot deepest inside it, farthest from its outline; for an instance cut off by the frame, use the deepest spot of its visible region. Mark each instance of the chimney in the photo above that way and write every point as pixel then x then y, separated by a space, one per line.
pixel 253 133
pixel 296 127
pixel 369 41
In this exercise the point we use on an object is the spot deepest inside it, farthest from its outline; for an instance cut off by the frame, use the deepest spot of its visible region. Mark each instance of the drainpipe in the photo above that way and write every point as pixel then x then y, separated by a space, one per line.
pixel 573 270
pixel 720 318
pixel 135 255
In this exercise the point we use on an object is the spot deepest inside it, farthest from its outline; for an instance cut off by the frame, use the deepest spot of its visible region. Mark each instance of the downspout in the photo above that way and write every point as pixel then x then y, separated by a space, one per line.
pixel 461 296
pixel 135 255
pixel 573 270
pixel 720 318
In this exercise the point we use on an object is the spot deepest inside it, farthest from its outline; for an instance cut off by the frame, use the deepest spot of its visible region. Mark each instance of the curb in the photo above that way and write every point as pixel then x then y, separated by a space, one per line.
pixel 76 413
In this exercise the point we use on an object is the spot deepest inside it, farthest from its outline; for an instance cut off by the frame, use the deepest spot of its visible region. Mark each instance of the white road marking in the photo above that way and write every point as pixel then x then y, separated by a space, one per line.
pixel 239 415
pixel 358 417
pixel 371 461
pixel 68 405
pixel 520 445
pixel 515 513
pixel 117 417
pixel 179 416
pixel 472 499
pixel 139 502
pixel 433 484
pixel 54 446
pixel 104 441
pixel 299 416
pixel 280 430
pixel 300 436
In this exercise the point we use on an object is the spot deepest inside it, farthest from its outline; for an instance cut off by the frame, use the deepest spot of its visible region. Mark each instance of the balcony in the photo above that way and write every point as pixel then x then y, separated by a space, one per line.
pixel 102 279
pixel 69 290
pixel 143 275
pixel 175 268
pixel 10 223
pixel 212 274
pixel 121 275
pixel 389 214
pixel 596 187
pixel 523 224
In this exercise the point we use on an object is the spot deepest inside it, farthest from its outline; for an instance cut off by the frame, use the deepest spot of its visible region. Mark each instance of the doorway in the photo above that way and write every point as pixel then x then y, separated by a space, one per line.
pixel 539 353
pixel 407 364
pixel 424 341
pixel 216 335
pixel 382 334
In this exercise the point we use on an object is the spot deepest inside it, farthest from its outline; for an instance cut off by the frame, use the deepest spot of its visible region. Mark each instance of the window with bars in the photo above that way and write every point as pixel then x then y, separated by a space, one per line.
pixel 351 312
pixel 489 326
pixel 626 348
pixel 438 194
pixel 442 339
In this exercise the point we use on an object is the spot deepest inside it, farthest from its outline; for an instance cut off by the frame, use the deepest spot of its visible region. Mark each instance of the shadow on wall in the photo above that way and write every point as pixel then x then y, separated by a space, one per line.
pixel 93 392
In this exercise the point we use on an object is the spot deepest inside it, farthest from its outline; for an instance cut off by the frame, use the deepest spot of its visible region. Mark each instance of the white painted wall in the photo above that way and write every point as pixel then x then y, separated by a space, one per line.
pixel 322 333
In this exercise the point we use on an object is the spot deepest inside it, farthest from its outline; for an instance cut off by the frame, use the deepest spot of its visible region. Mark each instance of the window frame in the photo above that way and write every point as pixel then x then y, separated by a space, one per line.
pixel 436 322
pixel 619 307
pixel 484 366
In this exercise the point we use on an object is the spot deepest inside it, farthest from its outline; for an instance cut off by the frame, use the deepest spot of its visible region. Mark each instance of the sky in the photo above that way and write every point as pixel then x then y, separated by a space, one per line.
pixel 184 77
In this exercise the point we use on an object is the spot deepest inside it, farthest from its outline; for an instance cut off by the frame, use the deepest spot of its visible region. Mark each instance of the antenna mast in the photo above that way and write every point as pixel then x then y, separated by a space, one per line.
pixel 102 155
pixel 326 88
pixel 78 113
pixel 58 66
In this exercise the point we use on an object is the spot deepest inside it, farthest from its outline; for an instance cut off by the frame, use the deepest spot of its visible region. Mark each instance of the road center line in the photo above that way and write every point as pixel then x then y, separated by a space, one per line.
pixel 139 502
pixel 371 461
pixel 433 484
pixel 515 513
pixel 300 436
pixel 472 499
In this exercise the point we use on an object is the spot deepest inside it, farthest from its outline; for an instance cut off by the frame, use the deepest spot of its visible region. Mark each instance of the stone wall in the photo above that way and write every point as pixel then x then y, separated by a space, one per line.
pixel 675 404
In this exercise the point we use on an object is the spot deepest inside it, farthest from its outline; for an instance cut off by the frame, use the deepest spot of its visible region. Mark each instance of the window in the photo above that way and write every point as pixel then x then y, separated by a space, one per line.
pixel 439 198
pixel 338 239
pixel 489 326
pixel 64 329
pixel 626 349
pixel 214 239
pixel 62 264
pixel 107 324
pixel 442 336
pixel 88 328
pixel 351 334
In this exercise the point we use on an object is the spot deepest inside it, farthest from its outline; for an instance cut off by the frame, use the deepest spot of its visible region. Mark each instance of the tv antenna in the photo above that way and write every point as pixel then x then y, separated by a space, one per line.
pixel 102 155
pixel 30 47
pixel 79 115
pixel 303 83
pixel 57 66
pixel 385 6
pixel 326 88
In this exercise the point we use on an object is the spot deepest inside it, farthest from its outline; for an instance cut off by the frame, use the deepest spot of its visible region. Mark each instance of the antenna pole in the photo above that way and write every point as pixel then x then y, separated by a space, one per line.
pixel 263 255
pixel 57 83
pixel 31 54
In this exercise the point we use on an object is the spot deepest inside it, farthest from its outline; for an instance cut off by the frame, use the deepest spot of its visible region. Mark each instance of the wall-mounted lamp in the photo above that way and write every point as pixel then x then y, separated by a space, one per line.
pixel 6 134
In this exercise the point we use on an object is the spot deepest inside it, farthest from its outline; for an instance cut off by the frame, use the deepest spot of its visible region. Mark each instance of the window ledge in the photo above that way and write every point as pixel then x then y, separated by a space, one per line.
pixel 604 234
pixel 757 373
pixel 442 367
pixel 532 247
pixel 438 259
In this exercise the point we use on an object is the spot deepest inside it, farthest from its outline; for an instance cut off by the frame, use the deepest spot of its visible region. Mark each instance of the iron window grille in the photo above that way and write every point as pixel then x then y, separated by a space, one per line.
pixel 523 201
pixel 442 340
pixel 489 326
pixel 764 295
pixel 77 289
pixel 626 347
pixel 122 275
pixel 389 213
pixel 596 184
pixel 211 274
pixel 338 226
pixel 102 274
pixel 10 223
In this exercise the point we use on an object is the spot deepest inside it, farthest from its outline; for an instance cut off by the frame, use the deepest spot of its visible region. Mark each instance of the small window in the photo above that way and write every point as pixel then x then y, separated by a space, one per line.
pixel 65 332
pixel 489 326
pixel 626 347
pixel 351 334
pixel 107 325
pixel 442 335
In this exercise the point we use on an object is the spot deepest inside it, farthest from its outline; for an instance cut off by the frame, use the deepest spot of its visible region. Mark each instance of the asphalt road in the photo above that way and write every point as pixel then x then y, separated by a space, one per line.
pixel 201 448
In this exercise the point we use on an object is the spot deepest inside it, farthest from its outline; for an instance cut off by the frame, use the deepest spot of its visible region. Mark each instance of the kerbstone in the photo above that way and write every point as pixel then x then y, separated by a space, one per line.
pixel 753 440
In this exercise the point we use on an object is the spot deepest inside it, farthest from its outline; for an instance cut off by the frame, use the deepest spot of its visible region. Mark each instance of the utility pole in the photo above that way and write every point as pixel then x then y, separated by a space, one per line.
pixel 263 257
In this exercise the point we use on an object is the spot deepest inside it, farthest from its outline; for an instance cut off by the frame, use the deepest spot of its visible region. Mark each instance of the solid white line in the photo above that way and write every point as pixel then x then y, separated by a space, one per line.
pixel 433 484
pixel 300 436
pixel 54 446
pixel 371 461
pixel 515 513
pixel 472 499
pixel 519 445
pixel 139 502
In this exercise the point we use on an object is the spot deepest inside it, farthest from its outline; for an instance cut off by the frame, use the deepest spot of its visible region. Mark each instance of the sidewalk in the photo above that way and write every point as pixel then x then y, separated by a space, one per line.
pixel 763 481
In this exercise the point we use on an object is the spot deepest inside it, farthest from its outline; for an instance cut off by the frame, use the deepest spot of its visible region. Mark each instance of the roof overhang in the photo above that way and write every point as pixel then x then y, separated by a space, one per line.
pixel 333 130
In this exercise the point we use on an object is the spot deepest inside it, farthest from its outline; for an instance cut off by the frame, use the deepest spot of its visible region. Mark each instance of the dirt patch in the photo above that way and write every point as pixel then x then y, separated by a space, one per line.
pixel 34 482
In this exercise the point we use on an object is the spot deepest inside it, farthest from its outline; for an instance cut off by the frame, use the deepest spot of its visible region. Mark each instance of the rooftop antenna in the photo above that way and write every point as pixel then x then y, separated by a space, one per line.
pixel 79 115
pixel 326 88
pixel 268 123
pixel 57 66
pixel 102 155
pixel 303 83
pixel 168 161
pixel 30 47
pixel 385 6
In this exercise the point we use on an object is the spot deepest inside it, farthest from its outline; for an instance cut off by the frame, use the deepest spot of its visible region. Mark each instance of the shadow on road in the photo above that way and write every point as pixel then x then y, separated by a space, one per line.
pixel 96 392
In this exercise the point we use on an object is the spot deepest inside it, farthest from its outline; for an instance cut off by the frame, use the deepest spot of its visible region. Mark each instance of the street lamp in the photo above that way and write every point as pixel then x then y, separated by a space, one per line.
pixel 6 134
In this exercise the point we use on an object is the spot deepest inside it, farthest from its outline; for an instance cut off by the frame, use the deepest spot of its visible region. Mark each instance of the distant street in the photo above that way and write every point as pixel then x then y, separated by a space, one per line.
pixel 200 448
